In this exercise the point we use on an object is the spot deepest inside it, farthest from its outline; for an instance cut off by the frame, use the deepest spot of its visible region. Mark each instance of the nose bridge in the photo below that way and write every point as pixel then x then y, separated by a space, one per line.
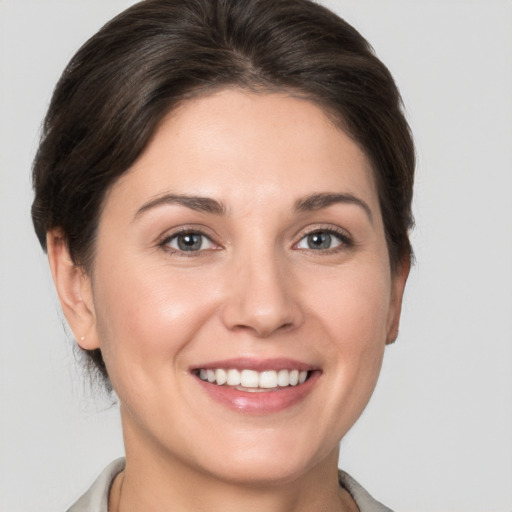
pixel 261 297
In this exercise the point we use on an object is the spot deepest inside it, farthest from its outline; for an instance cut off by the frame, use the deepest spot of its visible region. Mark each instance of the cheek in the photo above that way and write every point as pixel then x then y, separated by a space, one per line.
pixel 353 308
pixel 145 316
pixel 352 303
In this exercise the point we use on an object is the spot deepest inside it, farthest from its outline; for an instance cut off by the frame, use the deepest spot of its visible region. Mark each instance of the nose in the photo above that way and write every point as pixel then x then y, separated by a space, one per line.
pixel 262 298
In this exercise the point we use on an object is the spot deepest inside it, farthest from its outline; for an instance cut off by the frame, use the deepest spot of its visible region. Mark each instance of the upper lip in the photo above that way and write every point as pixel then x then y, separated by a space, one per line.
pixel 259 365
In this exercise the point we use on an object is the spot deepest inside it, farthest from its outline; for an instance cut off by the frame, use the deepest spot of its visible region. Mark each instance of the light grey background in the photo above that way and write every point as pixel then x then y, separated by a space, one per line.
pixel 437 436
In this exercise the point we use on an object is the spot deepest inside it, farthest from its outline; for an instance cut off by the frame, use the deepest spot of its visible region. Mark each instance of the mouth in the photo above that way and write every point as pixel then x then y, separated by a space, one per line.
pixel 252 380
pixel 258 387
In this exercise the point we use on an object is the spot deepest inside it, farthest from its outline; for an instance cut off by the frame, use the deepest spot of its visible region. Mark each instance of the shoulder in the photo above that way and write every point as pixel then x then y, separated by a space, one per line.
pixel 96 498
pixel 363 500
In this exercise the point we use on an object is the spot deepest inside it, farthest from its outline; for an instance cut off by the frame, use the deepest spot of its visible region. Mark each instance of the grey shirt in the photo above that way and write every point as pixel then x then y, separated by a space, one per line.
pixel 96 498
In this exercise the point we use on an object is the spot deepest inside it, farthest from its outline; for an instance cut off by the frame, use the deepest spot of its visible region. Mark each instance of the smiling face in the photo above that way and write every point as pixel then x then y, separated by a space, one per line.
pixel 247 244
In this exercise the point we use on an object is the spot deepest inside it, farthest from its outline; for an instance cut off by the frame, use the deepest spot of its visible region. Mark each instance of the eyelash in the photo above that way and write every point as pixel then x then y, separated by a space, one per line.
pixel 345 241
pixel 166 241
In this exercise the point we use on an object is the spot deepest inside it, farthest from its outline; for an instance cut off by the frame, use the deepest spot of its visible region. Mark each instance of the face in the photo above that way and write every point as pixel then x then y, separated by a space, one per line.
pixel 241 293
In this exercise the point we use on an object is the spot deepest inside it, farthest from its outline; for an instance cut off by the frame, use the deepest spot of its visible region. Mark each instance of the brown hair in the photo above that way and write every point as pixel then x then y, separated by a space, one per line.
pixel 139 66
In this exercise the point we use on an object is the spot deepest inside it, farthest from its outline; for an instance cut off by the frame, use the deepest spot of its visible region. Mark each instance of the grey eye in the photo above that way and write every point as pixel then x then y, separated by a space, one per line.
pixel 190 242
pixel 319 241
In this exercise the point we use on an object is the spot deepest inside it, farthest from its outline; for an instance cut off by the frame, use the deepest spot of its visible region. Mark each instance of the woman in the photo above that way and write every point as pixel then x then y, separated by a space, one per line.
pixel 224 191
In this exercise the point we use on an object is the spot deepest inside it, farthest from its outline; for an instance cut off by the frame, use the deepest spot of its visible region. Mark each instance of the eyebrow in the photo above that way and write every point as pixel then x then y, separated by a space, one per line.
pixel 200 204
pixel 208 205
pixel 324 200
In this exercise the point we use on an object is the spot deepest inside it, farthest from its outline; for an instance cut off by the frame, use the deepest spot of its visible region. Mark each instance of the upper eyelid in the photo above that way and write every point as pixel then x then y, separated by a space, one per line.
pixel 186 232
pixel 346 240
pixel 164 244
pixel 173 238
pixel 322 227
pixel 214 238
pixel 200 230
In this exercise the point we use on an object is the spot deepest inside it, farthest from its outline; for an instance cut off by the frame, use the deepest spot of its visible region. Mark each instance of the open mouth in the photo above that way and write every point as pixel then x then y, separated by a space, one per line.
pixel 252 380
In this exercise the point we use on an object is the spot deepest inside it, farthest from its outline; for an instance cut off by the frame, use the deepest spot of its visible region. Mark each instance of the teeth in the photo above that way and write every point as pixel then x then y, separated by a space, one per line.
pixel 233 378
pixel 251 379
pixel 221 377
pixel 268 379
pixel 283 378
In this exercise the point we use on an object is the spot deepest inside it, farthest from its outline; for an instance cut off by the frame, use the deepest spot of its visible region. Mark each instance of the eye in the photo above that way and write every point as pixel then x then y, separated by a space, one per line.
pixel 322 240
pixel 189 241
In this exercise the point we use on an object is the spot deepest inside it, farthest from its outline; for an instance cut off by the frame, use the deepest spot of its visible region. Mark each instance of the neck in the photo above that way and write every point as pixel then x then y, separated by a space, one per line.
pixel 155 481
pixel 133 491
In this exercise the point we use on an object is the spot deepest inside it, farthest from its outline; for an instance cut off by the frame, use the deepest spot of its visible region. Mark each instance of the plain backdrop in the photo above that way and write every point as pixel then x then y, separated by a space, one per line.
pixel 437 435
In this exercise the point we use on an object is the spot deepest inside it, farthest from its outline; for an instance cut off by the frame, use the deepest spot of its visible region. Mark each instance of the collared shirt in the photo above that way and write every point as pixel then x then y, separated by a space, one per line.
pixel 96 498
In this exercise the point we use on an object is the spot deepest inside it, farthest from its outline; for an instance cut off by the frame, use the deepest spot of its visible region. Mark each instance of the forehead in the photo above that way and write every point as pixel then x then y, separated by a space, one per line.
pixel 265 145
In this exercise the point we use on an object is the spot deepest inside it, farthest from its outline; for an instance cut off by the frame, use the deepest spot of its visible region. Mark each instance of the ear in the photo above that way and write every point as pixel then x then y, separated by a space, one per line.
pixel 74 289
pixel 398 280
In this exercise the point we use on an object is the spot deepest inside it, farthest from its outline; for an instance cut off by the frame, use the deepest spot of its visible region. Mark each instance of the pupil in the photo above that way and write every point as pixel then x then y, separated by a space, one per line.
pixel 189 242
pixel 319 241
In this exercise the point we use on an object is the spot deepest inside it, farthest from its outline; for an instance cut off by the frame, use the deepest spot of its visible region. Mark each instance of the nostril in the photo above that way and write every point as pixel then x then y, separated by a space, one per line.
pixel 262 330
pixel 260 304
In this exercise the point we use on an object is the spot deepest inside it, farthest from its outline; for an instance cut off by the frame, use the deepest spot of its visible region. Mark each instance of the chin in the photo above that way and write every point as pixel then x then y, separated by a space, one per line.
pixel 267 463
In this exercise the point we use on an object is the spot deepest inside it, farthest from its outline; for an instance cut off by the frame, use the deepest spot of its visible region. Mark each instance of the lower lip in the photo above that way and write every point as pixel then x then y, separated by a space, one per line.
pixel 260 402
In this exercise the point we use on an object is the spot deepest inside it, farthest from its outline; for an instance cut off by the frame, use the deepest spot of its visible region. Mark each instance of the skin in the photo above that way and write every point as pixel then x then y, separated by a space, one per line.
pixel 256 289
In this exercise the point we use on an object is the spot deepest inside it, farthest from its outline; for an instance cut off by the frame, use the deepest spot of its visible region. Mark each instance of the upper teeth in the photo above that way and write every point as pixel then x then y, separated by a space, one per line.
pixel 252 379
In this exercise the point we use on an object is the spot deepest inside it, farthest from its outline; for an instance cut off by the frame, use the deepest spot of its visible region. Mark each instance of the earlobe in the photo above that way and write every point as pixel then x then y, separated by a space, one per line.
pixel 74 289
pixel 399 278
